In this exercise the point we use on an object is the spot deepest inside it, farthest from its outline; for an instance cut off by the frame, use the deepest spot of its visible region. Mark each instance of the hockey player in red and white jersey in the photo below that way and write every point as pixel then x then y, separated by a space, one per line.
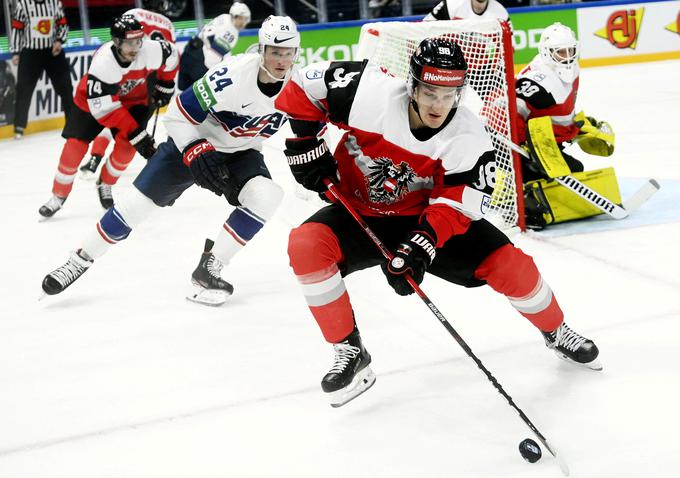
pixel 157 27
pixel 464 9
pixel 548 86
pixel 215 41
pixel 215 134
pixel 418 166
pixel 113 94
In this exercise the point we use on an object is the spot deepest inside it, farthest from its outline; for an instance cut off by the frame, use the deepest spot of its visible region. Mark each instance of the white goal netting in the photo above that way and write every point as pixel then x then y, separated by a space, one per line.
pixel 484 44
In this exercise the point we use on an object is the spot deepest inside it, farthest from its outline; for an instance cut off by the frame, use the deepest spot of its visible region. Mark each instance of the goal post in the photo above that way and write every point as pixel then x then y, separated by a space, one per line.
pixel 487 47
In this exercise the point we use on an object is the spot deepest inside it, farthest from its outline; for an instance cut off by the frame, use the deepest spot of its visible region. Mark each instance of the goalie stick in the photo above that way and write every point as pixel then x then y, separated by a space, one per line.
pixel 430 305
pixel 608 207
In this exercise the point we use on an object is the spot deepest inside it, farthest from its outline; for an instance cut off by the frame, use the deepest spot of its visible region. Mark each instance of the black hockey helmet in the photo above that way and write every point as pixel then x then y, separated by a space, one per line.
pixel 438 62
pixel 126 27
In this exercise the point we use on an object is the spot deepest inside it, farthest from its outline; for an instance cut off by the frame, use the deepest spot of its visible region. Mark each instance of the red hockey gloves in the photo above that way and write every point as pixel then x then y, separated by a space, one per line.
pixel 412 257
pixel 142 142
pixel 207 166
pixel 162 92
pixel 311 162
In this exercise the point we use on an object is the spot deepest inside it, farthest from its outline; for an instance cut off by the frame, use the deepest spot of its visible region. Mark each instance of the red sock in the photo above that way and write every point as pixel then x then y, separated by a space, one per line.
pixel 314 255
pixel 71 155
pixel 511 272
pixel 122 155
pixel 99 146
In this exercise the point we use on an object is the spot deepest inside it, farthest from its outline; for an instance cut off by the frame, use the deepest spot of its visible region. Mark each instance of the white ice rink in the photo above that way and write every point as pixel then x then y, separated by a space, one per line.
pixel 121 377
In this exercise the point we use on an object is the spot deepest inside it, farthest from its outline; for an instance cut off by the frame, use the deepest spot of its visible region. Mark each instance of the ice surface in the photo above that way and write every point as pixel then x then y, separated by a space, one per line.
pixel 120 376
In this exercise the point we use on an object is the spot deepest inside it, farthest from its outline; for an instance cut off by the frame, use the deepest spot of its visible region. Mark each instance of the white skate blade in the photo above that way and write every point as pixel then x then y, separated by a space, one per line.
pixel 361 382
pixel 594 365
pixel 209 297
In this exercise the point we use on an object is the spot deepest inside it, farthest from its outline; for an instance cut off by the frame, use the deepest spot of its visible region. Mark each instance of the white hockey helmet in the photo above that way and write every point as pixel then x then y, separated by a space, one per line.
pixel 240 9
pixel 279 31
pixel 559 49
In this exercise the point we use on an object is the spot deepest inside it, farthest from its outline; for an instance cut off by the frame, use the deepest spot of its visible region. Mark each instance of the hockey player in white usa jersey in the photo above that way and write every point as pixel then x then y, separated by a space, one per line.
pixel 418 166
pixel 215 134
pixel 463 9
pixel 212 44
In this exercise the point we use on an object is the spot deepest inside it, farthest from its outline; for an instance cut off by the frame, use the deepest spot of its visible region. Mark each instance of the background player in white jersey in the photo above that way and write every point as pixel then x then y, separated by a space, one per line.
pixel 156 27
pixel 413 163
pixel 114 94
pixel 212 44
pixel 215 134
pixel 548 87
pixel 463 9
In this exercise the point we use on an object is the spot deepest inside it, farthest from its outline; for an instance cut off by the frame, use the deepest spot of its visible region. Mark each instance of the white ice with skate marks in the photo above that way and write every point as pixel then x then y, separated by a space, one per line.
pixel 121 376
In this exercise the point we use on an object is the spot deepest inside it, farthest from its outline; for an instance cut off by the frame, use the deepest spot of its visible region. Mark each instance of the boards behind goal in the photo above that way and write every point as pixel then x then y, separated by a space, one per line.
pixel 487 47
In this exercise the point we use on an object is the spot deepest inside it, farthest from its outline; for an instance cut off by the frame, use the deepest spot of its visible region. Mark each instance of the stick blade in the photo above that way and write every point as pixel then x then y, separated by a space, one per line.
pixel 641 196
pixel 558 457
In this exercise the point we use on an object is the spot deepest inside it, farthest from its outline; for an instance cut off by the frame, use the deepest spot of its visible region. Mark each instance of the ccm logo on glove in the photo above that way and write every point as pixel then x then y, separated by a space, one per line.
pixel 196 150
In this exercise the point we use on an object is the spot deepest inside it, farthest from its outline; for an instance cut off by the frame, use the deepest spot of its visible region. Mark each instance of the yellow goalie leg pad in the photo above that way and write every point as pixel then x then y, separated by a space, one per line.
pixel 563 205
pixel 544 149
pixel 595 137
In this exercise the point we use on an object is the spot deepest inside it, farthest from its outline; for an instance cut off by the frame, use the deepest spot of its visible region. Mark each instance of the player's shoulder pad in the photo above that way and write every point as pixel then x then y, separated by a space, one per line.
pixel 533 90
pixel 342 79
pixel 104 65
pixel 470 142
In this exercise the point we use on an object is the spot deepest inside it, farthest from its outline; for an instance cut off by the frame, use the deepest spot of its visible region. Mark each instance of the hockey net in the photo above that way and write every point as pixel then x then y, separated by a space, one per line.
pixel 488 51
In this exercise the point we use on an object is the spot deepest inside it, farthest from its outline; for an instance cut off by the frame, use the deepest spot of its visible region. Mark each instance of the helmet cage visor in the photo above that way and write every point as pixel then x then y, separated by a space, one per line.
pixel 563 55
pixel 428 95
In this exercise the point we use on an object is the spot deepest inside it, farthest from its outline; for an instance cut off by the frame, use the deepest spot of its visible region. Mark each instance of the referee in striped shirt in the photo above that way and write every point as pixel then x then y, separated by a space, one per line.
pixel 39 29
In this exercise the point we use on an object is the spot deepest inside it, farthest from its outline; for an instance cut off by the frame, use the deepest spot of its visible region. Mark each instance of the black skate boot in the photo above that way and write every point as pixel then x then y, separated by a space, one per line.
pixel 105 194
pixel 88 170
pixel 350 375
pixel 62 277
pixel 50 207
pixel 572 347
pixel 209 287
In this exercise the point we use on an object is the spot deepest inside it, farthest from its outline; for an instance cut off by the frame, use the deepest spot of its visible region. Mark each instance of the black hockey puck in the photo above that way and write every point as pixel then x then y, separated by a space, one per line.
pixel 530 450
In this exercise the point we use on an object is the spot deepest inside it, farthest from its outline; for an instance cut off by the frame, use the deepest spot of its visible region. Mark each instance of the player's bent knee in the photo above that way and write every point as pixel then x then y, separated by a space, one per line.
pixel 508 269
pixel 312 247
pixel 261 196
pixel 134 207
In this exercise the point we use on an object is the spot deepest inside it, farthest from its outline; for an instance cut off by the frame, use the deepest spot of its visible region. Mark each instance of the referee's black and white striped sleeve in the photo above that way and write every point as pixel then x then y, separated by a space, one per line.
pixel 19 23
pixel 37 25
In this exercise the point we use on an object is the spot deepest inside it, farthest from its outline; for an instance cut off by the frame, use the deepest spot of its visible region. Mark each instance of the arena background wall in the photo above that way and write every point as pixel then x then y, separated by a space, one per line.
pixel 610 33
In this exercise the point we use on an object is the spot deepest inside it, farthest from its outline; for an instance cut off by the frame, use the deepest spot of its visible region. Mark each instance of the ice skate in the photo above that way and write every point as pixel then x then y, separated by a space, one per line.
pixel 209 287
pixel 88 170
pixel 105 194
pixel 59 279
pixel 350 375
pixel 572 347
pixel 48 209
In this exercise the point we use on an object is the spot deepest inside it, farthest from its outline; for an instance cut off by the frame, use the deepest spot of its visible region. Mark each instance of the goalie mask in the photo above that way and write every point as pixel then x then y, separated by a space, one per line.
pixel 559 50
pixel 278 38
pixel 437 75
pixel 127 34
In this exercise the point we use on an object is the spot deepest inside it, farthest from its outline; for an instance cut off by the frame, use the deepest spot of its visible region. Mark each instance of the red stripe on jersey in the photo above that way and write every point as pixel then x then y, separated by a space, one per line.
pixel 293 99
pixel 16 24
pixel 184 112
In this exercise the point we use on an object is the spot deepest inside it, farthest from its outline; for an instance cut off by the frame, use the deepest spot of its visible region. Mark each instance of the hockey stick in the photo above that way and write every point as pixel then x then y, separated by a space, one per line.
pixel 155 121
pixel 416 288
pixel 615 211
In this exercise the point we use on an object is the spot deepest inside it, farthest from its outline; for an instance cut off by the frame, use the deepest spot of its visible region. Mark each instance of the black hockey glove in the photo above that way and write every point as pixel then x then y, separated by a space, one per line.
pixel 311 162
pixel 412 257
pixel 142 142
pixel 206 166
pixel 162 92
